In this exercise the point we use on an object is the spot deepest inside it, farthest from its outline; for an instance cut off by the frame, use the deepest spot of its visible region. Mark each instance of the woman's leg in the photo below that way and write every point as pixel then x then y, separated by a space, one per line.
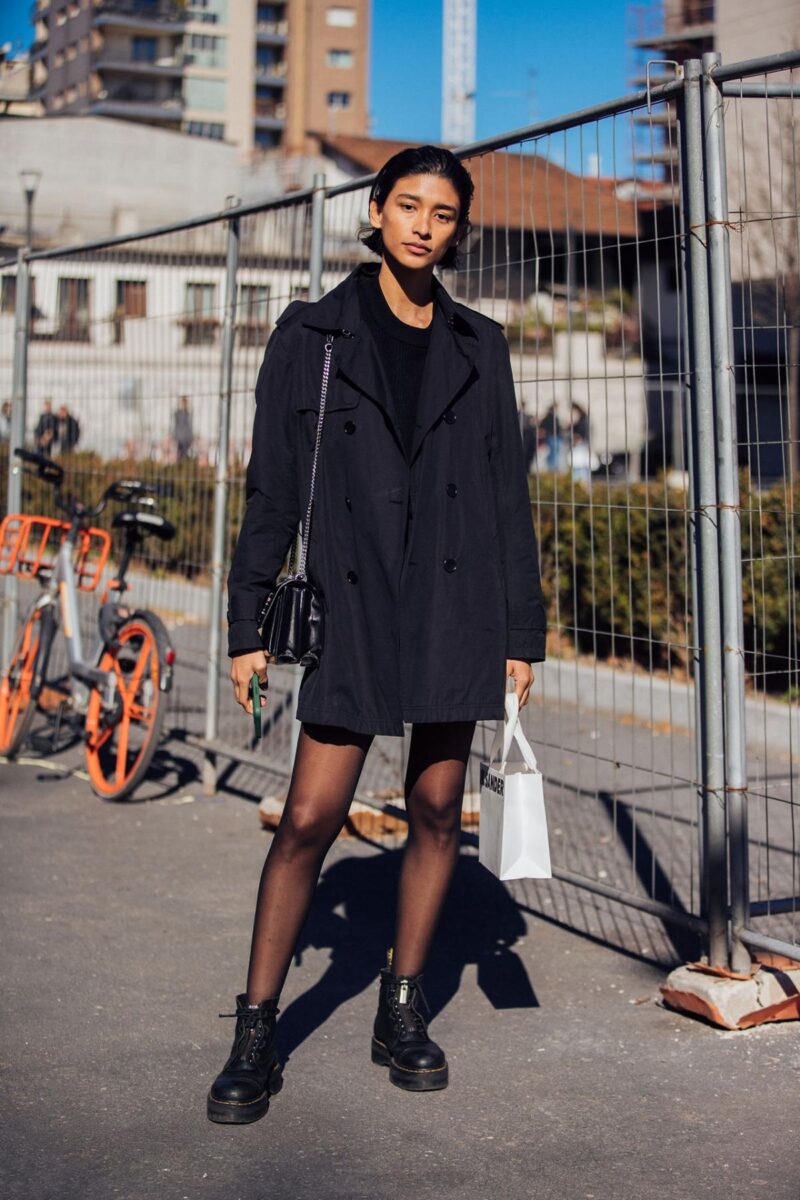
pixel 434 790
pixel 326 769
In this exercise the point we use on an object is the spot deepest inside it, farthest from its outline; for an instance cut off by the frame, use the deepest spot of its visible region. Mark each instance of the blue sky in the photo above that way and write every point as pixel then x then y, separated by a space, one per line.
pixel 535 61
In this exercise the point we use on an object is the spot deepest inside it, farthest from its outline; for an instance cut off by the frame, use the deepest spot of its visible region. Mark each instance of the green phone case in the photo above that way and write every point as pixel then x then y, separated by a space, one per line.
pixel 255 692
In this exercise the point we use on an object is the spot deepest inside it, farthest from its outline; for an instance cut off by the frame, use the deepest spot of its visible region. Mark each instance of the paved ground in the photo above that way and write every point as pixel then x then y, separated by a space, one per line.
pixel 126 930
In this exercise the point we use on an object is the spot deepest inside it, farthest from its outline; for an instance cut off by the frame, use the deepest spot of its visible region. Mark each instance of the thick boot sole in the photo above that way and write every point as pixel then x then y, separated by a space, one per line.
pixel 234 1112
pixel 409 1081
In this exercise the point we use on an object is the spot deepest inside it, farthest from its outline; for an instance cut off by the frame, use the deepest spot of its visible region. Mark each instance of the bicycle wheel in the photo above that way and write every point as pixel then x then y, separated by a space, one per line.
pixel 120 744
pixel 17 707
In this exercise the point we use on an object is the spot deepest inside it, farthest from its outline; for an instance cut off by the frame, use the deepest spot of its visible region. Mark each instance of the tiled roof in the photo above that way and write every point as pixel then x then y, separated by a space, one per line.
pixel 514 190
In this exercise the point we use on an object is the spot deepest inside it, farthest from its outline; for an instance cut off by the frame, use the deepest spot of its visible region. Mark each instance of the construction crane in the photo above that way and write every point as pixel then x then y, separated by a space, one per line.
pixel 459 53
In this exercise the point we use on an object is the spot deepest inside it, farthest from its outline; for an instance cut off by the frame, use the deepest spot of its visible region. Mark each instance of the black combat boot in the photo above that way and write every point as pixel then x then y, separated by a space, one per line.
pixel 400 1036
pixel 240 1093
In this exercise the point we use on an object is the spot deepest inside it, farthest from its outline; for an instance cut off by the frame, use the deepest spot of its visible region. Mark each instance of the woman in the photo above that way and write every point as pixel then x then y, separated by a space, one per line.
pixel 423 546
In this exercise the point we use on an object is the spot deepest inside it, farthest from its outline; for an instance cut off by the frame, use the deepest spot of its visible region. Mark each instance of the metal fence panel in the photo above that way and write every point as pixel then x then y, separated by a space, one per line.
pixel 601 242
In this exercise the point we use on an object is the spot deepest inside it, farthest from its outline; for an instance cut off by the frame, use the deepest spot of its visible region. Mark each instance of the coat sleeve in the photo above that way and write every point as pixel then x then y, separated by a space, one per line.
pixel 527 624
pixel 272 510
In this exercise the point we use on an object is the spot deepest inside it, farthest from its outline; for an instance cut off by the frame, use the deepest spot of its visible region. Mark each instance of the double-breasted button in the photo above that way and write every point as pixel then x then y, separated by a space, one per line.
pixel 352 577
pixel 349 426
pixel 348 503
pixel 450 417
pixel 451 489
pixel 449 565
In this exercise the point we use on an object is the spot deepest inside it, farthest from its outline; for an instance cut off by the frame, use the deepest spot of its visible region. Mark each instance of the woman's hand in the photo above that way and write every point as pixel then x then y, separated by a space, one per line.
pixel 242 669
pixel 522 673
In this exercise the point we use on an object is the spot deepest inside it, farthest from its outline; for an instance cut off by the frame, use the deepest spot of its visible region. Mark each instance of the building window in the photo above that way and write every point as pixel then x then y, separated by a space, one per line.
pixel 252 314
pixel 269 59
pixel 132 297
pixel 266 139
pixel 205 50
pixel 345 18
pixel 8 294
pixel 339 58
pixel 205 94
pixel 200 319
pixel 131 302
pixel 206 129
pixel 338 99
pixel 73 310
pixel 144 49
pixel 209 12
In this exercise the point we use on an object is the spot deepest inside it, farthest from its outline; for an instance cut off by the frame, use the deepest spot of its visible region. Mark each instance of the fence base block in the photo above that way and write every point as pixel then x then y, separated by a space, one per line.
pixel 377 814
pixel 770 994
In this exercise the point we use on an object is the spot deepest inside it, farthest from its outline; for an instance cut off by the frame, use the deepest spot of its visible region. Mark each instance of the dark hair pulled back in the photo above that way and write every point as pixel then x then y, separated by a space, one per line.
pixel 422 160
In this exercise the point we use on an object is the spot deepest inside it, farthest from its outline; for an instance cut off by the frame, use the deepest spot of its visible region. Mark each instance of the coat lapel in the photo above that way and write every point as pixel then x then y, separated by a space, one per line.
pixel 449 366
pixel 450 362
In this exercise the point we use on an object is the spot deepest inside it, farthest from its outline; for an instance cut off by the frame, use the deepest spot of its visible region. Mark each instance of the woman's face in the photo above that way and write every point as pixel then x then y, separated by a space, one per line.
pixel 419 219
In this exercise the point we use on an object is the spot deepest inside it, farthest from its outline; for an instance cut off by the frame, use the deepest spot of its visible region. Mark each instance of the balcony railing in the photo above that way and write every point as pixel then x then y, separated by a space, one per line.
pixel 165 65
pixel 160 15
pixel 274 73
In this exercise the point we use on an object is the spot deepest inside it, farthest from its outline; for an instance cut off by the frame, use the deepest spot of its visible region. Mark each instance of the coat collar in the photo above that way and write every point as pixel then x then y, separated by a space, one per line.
pixel 450 362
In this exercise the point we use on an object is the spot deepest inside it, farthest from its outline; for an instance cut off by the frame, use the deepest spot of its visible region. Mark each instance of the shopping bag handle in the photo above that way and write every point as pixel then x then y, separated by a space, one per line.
pixel 509 729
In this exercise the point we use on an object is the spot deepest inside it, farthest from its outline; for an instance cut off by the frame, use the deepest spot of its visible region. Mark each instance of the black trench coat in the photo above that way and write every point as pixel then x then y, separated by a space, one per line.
pixel 428 564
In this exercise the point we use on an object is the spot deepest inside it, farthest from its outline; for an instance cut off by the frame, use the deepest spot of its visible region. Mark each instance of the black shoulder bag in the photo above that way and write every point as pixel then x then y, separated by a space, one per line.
pixel 291 622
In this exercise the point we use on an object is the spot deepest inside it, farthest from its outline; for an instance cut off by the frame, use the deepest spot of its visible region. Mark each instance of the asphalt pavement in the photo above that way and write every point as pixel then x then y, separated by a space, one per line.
pixel 125 932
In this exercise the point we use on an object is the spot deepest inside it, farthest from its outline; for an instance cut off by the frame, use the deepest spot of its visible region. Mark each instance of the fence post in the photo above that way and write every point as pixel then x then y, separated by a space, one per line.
pixel 219 543
pixel 19 407
pixel 706 615
pixel 719 266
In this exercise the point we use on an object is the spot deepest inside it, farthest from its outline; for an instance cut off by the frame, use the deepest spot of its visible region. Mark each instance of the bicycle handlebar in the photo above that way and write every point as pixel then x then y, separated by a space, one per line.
pixel 122 490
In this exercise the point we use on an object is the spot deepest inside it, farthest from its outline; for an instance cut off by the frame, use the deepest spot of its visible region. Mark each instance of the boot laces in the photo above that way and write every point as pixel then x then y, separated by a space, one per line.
pixel 251 1029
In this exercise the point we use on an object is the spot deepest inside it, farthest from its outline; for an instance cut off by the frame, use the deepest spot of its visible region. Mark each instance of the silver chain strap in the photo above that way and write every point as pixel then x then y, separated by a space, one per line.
pixel 300 573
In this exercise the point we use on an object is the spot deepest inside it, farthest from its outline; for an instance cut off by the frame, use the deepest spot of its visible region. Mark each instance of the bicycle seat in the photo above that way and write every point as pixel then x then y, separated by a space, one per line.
pixel 145 522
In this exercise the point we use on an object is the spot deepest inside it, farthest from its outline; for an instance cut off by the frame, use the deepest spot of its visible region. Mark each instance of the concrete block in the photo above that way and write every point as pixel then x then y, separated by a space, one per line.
pixel 770 994
pixel 364 820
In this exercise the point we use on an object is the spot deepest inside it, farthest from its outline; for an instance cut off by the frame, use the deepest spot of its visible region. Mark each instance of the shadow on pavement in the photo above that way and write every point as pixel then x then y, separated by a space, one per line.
pixel 353 916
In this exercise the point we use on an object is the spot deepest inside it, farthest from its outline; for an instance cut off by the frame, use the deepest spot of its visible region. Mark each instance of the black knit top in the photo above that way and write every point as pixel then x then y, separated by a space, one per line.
pixel 402 349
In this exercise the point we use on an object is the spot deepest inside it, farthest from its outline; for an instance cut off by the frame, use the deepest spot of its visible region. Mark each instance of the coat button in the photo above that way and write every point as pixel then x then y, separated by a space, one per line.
pixel 349 426
pixel 352 577
pixel 451 489
pixel 450 565
pixel 348 503
pixel 450 417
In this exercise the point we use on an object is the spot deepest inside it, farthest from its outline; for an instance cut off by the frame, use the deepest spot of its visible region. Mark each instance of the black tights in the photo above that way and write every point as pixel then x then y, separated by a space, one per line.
pixel 326 770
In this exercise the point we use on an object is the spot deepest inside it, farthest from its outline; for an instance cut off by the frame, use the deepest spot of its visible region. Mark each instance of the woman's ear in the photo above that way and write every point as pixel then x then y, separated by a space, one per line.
pixel 374 214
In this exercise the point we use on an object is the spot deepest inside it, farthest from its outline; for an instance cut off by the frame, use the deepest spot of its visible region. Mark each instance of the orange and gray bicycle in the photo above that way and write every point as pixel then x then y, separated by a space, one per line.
pixel 119 691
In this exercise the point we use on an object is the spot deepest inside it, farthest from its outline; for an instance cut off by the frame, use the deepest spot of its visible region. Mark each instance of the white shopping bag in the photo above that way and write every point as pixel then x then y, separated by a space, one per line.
pixel 513 842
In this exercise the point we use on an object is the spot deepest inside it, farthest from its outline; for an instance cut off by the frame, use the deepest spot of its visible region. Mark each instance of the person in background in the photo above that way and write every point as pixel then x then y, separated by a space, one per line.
pixel 182 432
pixel 530 440
pixel 68 431
pixel 579 423
pixel 5 421
pixel 552 432
pixel 580 451
pixel 45 432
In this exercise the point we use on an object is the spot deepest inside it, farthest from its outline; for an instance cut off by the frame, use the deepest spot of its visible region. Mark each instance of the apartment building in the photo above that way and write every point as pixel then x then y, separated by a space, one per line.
pixel 251 73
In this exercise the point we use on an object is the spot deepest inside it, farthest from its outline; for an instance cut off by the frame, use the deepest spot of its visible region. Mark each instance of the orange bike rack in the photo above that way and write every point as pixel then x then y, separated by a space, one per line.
pixel 29 545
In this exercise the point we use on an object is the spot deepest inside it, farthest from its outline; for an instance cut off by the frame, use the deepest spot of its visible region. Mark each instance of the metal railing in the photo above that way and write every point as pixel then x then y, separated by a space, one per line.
pixel 652 316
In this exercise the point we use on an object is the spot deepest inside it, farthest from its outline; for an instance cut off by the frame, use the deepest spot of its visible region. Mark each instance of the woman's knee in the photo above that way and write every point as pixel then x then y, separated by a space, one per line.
pixel 306 827
pixel 436 818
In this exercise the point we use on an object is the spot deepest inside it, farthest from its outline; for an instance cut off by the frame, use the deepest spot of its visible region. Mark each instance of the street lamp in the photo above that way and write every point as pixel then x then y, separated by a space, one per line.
pixel 30 182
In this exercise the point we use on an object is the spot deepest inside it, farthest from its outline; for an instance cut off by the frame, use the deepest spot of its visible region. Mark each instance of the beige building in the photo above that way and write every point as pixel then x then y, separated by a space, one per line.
pixel 251 73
